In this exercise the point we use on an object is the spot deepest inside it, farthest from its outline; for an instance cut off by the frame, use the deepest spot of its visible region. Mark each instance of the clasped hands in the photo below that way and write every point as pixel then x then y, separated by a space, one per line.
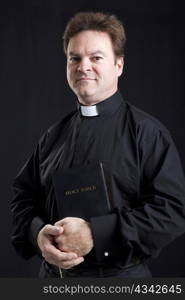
pixel 65 243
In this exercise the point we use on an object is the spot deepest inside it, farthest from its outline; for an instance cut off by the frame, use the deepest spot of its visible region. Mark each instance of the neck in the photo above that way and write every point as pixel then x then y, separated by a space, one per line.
pixel 89 101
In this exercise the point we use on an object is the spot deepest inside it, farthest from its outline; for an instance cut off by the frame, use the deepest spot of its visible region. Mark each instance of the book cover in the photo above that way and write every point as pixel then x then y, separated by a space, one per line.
pixel 81 191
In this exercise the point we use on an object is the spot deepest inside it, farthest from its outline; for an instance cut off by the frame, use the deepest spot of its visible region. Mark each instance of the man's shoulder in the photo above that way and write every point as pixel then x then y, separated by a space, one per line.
pixel 61 123
pixel 145 121
pixel 57 128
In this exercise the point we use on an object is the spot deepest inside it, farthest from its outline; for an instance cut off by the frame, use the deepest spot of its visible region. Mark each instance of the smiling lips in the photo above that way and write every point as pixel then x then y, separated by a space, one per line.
pixel 85 79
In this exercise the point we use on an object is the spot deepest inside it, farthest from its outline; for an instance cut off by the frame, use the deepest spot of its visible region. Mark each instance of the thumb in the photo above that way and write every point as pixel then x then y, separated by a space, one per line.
pixel 53 230
pixel 59 223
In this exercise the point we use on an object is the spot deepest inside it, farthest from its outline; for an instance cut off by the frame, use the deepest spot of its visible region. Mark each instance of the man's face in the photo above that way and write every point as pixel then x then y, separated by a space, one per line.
pixel 92 69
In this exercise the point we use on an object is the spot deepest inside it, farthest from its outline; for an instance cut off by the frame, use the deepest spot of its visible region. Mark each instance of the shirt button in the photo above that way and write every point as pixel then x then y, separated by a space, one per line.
pixel 106 253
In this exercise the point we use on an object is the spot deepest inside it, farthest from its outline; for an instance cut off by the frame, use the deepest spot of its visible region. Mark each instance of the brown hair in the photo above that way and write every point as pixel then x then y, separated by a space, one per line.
pixel 98 22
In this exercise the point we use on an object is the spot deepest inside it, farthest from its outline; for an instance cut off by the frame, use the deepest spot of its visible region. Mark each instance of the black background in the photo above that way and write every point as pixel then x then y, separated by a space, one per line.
pixel 34 92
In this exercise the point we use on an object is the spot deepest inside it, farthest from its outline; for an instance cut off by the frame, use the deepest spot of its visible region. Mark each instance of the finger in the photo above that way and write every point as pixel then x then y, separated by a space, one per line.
pixel 60 222
pixel 52 230
pixel 52 252
pixel 65 220
pixel 60 239
pixel 72 263
pixel 65 265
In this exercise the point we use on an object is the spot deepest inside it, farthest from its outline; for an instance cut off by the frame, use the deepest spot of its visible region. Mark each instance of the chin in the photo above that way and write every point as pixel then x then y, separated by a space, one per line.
pixel 84 93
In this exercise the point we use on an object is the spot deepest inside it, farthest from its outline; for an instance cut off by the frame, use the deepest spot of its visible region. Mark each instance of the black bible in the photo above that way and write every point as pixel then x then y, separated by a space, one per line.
pixel 81 191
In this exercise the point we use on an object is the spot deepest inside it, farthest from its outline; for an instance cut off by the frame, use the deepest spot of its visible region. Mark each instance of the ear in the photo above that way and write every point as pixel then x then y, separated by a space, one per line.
pixel 119 65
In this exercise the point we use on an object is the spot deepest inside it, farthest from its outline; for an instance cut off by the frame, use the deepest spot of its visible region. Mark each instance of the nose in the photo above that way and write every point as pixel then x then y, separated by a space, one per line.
pixel 84 65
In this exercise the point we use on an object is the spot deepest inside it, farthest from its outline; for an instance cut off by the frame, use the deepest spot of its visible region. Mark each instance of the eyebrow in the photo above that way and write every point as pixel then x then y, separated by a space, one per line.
pixel 71 53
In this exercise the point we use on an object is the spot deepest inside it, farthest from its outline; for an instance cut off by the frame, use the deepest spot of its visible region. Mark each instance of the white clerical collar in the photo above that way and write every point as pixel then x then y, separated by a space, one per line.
pixel 89 111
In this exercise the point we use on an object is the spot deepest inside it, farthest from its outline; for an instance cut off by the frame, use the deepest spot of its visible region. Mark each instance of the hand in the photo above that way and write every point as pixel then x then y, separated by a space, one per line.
pixel 46 243
pixel 76 236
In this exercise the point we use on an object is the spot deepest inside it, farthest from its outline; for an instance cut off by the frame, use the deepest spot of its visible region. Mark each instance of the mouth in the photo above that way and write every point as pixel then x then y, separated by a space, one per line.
pixel 85 79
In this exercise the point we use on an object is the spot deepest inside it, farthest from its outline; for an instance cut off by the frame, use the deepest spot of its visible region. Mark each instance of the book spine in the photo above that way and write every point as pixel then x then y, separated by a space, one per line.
pixel 105 186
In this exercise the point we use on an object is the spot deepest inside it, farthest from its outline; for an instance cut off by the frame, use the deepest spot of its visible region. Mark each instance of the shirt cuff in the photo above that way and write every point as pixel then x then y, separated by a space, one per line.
pixel 35 226
pixel 106 237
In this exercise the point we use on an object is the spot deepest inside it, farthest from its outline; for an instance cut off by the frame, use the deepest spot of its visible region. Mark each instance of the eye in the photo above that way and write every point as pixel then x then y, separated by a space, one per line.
pixel 74 59
pixel 97 58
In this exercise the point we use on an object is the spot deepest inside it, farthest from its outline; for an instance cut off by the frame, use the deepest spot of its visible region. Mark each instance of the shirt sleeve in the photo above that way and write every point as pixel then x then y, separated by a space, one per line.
pixel 159 217
pixel 26 208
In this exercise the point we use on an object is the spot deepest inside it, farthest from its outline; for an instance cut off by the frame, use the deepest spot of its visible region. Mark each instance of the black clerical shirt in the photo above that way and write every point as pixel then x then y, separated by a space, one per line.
pixel 143 172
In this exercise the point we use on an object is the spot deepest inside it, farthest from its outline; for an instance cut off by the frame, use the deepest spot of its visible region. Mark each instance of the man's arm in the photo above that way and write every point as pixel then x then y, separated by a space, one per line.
pixel 160 213
pixel 26 209
pixel 31 233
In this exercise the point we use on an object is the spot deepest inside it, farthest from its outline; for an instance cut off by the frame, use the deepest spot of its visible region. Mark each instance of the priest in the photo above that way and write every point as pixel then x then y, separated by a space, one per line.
pixel 142 168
